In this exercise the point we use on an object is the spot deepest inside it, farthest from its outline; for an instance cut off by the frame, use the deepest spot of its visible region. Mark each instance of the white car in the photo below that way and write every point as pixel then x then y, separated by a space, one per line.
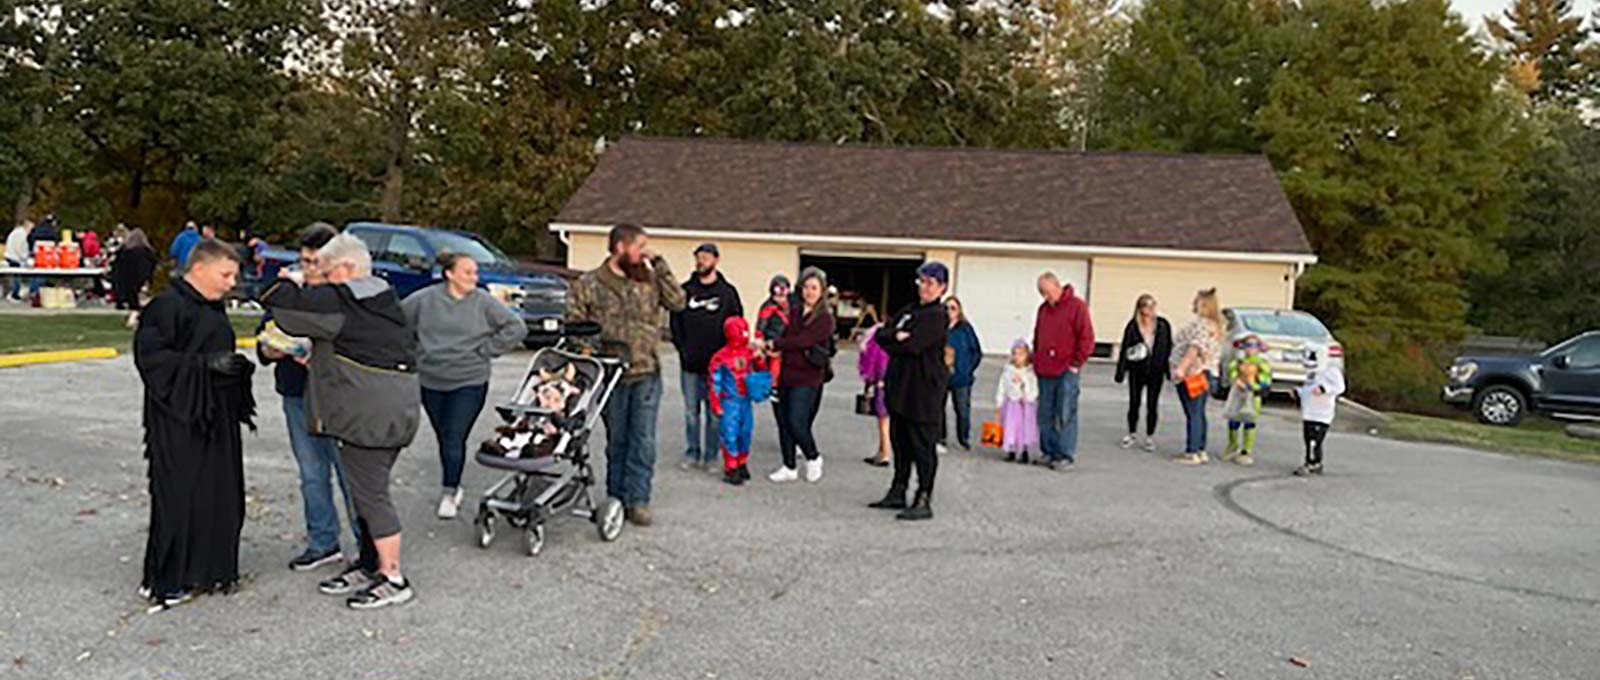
pixel 1286 332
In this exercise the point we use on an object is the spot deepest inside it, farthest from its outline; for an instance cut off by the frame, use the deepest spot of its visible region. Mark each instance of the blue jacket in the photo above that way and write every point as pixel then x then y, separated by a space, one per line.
pixel 969 353
pixel 183 243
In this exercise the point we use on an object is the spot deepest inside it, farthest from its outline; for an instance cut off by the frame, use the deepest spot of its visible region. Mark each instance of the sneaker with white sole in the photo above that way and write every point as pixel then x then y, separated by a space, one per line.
pixel 315 559
pixel 450 504
pixel 783 474
pixel 351 580
pixel 382 593
pixel 162 603
pixel 814 470
pixel 941 449
pixel 1127 442
pixel 1150 444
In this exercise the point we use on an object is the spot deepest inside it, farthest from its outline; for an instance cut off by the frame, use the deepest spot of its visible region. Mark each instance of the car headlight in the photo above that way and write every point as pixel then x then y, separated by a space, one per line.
pixel 1463 371
pixel 506 293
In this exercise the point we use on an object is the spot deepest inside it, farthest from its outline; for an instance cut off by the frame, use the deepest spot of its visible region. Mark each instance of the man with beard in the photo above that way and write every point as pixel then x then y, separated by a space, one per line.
pixel 196 394
pixel 625 295
pixel 697 332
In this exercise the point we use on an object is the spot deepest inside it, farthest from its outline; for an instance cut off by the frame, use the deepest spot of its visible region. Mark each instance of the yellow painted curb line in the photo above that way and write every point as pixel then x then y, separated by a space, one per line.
pixel 32 358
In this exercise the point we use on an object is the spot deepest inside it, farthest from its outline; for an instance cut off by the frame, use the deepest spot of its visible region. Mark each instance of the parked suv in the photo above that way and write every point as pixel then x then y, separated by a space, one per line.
pixel 1500 390
pixel 405 256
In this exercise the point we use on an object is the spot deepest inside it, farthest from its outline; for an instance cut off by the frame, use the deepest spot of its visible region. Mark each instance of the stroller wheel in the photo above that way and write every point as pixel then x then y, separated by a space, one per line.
pixel 485 525
pixel 533 536
pixel 608 519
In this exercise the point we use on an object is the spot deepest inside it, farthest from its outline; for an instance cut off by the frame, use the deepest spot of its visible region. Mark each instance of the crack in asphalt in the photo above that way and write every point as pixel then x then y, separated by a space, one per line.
pixel 1224 495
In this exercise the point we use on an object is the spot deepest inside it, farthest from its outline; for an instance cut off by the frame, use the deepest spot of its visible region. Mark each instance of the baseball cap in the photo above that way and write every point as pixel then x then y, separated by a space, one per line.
pixel 934 270
pixel 708 248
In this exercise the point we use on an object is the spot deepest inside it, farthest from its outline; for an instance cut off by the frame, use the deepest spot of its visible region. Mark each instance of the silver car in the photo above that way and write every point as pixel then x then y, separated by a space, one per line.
pixel 1286 332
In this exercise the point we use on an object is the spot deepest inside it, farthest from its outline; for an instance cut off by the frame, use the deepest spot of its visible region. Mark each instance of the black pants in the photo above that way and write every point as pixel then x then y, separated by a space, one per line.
pixel 1149 386
pixel 1315 433
pixel 797 411
pixel 913 444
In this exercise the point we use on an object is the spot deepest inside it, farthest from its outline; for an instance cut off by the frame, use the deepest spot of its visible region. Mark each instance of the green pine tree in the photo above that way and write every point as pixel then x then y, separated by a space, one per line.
pixel 1397 153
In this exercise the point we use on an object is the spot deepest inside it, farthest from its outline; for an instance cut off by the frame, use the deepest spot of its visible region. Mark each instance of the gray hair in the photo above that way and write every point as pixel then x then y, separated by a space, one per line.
pixel 346 249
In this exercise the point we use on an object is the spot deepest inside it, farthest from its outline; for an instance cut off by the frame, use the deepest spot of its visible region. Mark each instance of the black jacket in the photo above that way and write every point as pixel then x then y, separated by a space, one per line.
pixel 362 386
pixel 697 330
pixel 917 378
pixel 1156 362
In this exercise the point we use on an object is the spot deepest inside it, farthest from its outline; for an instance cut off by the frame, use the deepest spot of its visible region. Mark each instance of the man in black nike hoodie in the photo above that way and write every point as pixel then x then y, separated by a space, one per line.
pixel 917 380
pixel 697 333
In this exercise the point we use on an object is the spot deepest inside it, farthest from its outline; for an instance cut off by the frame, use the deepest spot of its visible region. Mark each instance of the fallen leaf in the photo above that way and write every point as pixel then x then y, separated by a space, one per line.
pixel 155 642
pixel 88 511
pixel 1299 662
pixel 19 662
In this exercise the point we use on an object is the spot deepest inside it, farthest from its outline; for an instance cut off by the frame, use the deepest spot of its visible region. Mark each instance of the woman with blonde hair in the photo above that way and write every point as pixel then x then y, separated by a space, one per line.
pixel 1196 354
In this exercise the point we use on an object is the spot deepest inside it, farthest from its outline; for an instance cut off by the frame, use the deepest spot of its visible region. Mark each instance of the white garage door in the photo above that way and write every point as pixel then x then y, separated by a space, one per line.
pixel 1001 294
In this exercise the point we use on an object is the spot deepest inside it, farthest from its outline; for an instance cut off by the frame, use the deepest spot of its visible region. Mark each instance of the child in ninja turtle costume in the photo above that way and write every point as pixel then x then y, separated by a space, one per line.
pixel 1251 377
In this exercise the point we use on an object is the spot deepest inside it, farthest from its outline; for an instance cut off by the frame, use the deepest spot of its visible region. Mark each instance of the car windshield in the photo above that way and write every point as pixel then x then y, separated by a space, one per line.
pixel 1293 325
pixel 483 252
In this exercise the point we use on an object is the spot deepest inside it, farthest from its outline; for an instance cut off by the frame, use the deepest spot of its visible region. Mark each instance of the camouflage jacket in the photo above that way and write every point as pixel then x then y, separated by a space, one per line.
pixel 630 313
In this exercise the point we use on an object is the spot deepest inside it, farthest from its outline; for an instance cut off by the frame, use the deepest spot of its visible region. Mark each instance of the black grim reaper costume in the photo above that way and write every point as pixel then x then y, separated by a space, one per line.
pixel 196 395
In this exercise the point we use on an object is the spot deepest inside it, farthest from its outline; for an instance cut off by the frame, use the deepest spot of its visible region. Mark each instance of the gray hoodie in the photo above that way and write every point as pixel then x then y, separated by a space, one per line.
pixel 460 337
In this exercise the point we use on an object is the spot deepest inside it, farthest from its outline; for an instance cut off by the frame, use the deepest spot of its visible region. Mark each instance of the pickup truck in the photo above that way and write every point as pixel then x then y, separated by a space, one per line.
pixel 405 257
pixel 1563 380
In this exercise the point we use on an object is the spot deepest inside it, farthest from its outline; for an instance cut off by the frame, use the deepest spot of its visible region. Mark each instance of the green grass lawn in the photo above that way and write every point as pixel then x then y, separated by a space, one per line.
pixel 45 332
pixel 1536 436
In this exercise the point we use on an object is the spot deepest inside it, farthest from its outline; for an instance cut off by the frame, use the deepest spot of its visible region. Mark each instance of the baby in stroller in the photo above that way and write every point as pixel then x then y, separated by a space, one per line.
pixel 537 433
pixel 544 447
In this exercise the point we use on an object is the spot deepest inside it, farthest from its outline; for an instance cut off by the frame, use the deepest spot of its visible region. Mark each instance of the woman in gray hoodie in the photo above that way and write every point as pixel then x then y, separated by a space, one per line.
pixel 462 328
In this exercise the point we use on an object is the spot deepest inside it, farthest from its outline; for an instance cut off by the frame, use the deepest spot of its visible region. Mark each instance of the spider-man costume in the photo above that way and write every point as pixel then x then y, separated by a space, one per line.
pixel 731 400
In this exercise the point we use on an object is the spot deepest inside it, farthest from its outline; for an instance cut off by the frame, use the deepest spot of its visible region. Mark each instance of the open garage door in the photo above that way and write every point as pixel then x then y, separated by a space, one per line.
pixel 1001 294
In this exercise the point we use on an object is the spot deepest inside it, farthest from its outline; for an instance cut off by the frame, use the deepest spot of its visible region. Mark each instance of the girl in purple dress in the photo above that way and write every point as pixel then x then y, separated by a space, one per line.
pixel 874 367
pixel 1018 400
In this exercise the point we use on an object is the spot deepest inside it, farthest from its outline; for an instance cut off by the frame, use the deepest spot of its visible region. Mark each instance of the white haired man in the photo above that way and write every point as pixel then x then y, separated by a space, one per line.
pixel 363 391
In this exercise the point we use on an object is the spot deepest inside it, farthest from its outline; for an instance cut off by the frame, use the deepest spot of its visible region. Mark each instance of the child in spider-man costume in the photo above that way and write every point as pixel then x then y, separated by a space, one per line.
pixel 739 379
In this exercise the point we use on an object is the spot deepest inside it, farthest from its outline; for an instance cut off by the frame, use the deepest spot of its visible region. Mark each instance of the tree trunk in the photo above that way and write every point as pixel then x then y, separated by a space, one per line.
pixel 394 176
pixel 24 200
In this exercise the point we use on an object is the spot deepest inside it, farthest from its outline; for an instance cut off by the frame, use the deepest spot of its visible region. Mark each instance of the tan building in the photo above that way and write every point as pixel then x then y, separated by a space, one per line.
pixel 1115 225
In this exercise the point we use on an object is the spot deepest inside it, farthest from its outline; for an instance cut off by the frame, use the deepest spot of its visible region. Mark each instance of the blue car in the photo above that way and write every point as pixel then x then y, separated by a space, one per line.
pixel 405 256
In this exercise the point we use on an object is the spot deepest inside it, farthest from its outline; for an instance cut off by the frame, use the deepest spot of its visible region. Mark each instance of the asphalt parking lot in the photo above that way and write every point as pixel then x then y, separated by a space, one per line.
pixel 1405 561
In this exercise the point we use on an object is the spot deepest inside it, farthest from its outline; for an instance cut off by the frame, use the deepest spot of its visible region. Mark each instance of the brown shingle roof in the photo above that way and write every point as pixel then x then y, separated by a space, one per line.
pixel 1178 201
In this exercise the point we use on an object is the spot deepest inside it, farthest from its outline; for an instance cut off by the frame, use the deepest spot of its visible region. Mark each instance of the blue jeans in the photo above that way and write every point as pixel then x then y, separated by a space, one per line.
pixel 1194 412
pixel 452 414
pixel 797 411
pixel 699 445
pixel 1058 417
pixel 318 458
pixel 631 440
pixel 14 283
pixel 961 398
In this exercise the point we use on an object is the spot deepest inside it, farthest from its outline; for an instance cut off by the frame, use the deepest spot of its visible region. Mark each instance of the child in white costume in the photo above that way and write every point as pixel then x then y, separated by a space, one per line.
pixel 1319 399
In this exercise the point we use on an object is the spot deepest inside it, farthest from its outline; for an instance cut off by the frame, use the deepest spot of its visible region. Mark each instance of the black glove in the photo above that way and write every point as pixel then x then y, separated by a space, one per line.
pixel 229 363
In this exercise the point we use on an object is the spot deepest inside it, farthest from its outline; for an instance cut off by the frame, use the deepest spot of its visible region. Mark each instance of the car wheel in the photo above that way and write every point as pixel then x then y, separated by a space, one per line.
pixel 1499 405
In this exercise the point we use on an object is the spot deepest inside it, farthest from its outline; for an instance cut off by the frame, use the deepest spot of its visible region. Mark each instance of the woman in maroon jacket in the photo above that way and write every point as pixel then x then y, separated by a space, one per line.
pixel 806 348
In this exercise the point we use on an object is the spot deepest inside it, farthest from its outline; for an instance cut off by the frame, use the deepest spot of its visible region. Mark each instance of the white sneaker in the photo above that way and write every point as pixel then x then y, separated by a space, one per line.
pixel 784 474
pixel 1149 444
pixel 450 504
pixel 941 449
pixel 1127 442
pixel 814 470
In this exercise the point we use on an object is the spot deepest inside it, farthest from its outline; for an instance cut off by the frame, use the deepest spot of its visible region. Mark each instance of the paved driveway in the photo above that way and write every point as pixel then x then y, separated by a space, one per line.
pixel 1406 561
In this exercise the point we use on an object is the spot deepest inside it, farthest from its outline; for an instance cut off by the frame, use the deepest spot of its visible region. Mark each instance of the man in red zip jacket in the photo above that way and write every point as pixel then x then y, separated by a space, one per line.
pixel 1063 338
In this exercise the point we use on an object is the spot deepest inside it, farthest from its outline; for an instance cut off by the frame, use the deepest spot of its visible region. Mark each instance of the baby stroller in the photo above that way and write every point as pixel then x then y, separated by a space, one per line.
pixel 545 444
